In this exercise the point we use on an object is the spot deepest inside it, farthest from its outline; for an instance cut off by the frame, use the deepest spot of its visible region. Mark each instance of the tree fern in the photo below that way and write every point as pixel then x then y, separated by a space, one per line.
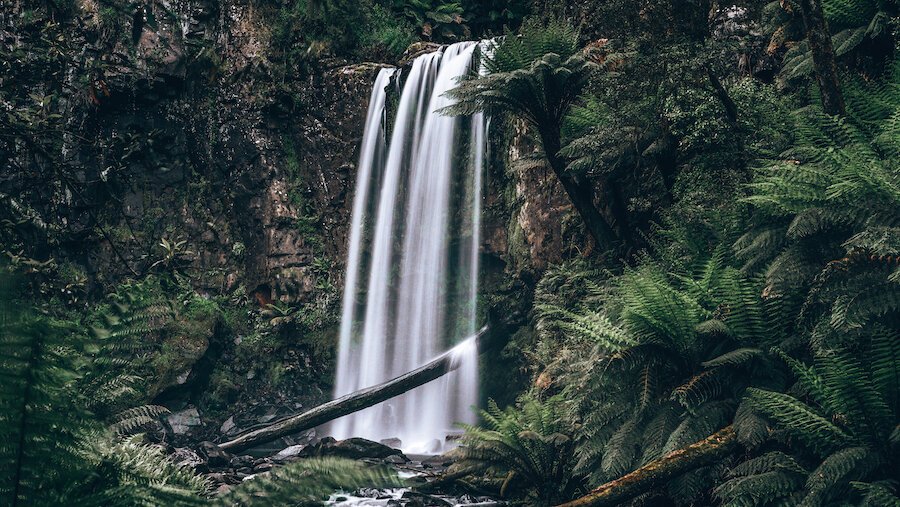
pixel 841 420
pixel 39 423
pixel 686 344
pixel 529 443
pixel 836 194
pixel 851 22
pixel 537 77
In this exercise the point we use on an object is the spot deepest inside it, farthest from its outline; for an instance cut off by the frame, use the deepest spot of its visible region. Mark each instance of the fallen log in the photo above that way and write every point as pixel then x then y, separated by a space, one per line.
pixel 353 402
pixel 658 472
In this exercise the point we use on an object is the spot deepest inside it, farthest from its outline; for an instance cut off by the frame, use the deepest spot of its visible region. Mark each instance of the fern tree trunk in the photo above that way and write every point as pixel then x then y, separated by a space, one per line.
pixel 657 473
pixel 17 478
pixel 819 38
pixel 579 191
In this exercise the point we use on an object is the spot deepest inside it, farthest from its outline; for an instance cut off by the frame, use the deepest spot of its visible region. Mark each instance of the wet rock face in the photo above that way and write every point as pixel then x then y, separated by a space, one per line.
pixel 185 135
pixel 530 223
pixel 305 211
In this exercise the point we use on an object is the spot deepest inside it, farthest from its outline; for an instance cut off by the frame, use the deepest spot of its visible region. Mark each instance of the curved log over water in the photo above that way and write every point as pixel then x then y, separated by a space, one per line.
pixel 353 402
pixel 658 472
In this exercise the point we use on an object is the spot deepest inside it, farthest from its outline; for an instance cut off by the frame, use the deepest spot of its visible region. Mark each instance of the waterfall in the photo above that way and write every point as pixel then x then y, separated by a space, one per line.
pixel 412 264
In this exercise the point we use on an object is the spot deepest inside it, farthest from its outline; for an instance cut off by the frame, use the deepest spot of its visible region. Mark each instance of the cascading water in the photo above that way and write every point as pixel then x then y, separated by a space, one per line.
pixel 409 292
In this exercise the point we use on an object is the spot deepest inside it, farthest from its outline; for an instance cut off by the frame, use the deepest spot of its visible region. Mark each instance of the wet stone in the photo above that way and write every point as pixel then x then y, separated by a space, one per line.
pixel 228 426
pixel 186 457
pixel 425 500
pixel 289 453
pixel 263 467
pixel 396 459
pixel 215 456
pixel 396 443
pixel 353 448
pixel 241 461
pixel 185 421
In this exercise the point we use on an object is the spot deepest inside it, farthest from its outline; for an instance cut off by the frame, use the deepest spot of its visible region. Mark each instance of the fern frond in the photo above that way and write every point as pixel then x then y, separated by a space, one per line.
pixel 851 393
pixel 307 483
pixel 884 360
pixel 878 494
pixel 39 421
pixel 733 358
pixel 850 462
pixel 771 487
pixel 132 419
pixel 774 460
pixel 751 429
pixel 620 453
pixel 700 388
pixel 814 430
pixel 134 473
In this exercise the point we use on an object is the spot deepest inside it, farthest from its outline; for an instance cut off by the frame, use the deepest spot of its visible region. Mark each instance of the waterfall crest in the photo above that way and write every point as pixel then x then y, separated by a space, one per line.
pixel 412 265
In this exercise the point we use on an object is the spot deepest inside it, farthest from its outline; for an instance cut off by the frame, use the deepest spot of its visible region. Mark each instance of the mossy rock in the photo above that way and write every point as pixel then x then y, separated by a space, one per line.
pixel 417 49
pixel 185 339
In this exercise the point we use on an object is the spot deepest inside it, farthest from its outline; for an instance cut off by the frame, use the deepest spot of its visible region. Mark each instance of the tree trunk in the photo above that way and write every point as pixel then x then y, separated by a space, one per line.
pixel 352 402
pixel 582 198
pixel 580 193
pixel 731 111
pixel 819 39
pixel 657 473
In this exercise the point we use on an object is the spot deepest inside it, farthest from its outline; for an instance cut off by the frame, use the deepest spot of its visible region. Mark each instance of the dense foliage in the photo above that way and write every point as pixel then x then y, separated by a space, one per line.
pixel 58 449
pixel 738 246
pixel 765 298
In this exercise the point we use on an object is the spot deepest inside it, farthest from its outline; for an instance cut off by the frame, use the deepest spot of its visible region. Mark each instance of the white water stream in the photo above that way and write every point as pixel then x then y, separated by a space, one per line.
pixel 412 265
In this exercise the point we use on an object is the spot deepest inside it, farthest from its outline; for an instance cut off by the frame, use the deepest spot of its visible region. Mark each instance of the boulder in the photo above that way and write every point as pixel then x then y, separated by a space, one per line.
pixel 424 500
pixel 241 461
pixel 353 448
pixel 434 446
pixel 263 467
pixel 396 459
pixel 396 443
pixel 229 427
pixel 184 341
pixel 185 421
pixel 214 454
